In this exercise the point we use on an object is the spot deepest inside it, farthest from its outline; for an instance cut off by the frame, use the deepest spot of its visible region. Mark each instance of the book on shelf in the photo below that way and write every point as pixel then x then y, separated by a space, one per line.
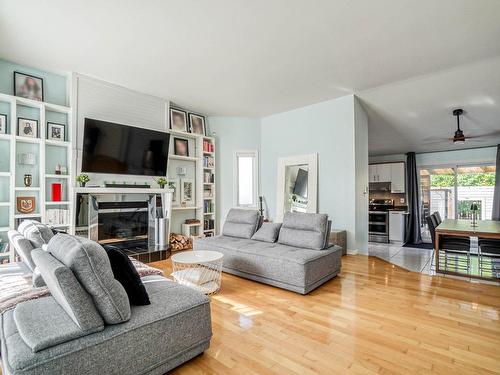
pixel 208 146
pixel 208 207
pixel 208 224
pixel 208 162
pixel 208 177
pixel 57 216
pixel 208 192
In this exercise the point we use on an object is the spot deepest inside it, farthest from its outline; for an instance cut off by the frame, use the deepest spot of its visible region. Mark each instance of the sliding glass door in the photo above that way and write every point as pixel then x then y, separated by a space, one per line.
pixel 451 189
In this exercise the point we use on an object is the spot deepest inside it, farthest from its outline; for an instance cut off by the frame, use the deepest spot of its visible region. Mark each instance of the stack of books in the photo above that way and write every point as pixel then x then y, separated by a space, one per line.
pixel 57 216
pixel 208 147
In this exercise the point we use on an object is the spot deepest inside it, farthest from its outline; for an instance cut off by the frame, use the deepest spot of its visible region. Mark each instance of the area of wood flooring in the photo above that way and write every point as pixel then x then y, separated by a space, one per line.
pixel 375 318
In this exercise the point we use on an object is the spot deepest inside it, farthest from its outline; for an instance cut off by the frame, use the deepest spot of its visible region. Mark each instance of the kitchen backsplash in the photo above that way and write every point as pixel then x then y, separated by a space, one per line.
pixel 388 195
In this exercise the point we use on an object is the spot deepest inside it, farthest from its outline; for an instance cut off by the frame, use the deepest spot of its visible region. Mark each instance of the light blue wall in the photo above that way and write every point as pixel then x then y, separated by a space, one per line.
pixel 54 85
pixel 325 128
pixel 232 134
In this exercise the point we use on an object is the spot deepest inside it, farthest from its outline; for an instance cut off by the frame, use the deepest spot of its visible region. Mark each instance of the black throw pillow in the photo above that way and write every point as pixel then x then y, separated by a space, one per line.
pixel 126 274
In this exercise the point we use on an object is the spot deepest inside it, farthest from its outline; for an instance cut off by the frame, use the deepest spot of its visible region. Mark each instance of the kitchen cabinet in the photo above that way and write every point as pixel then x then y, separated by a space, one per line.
pixel 380 172
pixel 397 226
pixel 398 178
pixel 389 172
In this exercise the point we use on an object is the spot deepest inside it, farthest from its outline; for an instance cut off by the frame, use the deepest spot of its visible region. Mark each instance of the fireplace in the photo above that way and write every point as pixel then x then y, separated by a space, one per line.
pixel 122 222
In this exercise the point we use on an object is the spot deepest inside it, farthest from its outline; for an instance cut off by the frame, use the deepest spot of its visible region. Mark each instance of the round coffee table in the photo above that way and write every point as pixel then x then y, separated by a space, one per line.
pixel 200 270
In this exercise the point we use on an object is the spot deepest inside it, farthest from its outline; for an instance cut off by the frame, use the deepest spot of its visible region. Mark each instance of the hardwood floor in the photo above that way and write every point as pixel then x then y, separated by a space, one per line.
pixel 375 318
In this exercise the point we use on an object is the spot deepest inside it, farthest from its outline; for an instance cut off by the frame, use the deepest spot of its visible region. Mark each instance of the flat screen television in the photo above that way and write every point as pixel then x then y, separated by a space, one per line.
pixel 121 149
pixel 300 187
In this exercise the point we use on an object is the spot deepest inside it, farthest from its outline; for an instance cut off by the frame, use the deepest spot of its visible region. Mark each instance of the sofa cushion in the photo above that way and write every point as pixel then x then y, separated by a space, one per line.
pixel 43 323
pixel 37 278
pixel 125 272
pixel 174 328
pixel 268 232
pixel 35 232
pixel 67 291
pixel 241 223
pixel 304 230
pixel 23 248
pixel 90 264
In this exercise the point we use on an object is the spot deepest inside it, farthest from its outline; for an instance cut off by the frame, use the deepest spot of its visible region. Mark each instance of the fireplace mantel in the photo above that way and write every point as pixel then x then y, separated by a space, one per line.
pixel 104 190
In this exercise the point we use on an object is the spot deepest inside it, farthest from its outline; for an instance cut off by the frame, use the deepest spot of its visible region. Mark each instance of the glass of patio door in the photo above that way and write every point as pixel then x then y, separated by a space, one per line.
pixel 437 193
pixel 475 184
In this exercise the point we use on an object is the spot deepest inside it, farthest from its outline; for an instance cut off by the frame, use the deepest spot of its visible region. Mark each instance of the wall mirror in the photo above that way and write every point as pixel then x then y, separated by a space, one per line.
pixel 297 185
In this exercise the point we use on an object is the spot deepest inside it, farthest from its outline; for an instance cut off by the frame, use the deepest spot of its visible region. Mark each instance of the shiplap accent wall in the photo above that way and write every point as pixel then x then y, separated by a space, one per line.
pixel 108 102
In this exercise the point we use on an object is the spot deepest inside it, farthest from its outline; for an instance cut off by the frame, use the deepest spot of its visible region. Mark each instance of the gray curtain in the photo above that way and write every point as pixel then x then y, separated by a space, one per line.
pixel 495 214
pixel 413 235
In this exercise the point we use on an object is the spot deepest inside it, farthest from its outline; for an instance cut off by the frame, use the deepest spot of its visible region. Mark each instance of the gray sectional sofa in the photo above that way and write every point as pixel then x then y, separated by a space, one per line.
pixel 87 326
pixel 294 255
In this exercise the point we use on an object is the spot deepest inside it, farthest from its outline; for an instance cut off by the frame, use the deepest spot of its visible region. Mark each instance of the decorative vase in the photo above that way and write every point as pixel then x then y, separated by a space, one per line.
pixel 28 180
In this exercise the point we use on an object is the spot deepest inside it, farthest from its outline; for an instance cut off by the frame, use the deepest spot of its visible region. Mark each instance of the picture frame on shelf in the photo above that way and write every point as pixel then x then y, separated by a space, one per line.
pixel 56 132
pixel 187 192
pixel 181 147
pixel 27 127
pixel 3 124
pixel 197 124
pixel 174 184
pixel 25 205
pixel 178 120
pixel 28 86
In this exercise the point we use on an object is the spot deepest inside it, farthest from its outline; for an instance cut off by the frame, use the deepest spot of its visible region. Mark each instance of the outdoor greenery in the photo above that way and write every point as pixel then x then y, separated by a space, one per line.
pixel 469 179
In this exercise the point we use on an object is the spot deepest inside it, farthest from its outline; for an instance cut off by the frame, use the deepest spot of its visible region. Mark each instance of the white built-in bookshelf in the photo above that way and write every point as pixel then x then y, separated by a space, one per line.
pixel 195 168
pixel 38 157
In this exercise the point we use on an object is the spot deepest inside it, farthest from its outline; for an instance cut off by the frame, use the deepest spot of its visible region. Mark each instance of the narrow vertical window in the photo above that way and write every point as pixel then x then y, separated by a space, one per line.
pixel 246 178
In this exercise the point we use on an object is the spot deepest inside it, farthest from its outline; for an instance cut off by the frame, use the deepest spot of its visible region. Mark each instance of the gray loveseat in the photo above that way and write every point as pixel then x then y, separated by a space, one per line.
pixel 299 259
pixel 87 325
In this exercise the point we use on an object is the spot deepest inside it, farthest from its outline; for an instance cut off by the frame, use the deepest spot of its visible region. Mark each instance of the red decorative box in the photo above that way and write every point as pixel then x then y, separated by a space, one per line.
pixel 56 192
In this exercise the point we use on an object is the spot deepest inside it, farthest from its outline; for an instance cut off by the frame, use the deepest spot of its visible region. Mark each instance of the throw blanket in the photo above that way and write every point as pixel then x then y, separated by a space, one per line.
pixel 17 288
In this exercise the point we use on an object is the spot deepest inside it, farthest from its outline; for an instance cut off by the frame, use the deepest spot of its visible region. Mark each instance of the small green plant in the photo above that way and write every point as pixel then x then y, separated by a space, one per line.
pixel 162 181
pixel 82 179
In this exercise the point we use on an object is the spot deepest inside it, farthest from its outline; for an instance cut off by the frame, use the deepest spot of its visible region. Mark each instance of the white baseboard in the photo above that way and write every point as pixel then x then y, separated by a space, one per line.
pixel 352 252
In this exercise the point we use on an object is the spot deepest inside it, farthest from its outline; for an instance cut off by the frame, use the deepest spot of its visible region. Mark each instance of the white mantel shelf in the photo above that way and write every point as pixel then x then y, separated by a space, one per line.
pixel 103 190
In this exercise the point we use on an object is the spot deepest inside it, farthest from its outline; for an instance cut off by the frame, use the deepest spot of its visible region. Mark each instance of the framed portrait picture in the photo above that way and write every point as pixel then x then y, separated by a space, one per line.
pixel 178 120
pixel 3 124
pixel 56 132
pixel 181 147
pixel 27 127
pixel 196 124
pixel 174 185
pixel 187 191
pixel 28 86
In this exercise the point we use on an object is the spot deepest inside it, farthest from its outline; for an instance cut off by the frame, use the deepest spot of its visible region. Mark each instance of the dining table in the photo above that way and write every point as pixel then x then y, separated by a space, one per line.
pixel 464 228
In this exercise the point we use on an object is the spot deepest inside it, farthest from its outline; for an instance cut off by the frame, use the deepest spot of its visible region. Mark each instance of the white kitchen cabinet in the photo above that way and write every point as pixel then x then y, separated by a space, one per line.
pixel 372 171
pixel 384 172
pixel 397 226
pixel 397 177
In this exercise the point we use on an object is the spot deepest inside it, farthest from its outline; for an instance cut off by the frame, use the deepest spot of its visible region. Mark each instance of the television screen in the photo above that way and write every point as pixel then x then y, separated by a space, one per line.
pixel 300 187
pixel 122 149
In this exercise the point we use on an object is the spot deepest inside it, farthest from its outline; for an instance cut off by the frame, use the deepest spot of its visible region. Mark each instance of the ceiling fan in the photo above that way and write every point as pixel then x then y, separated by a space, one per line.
pixel 459 137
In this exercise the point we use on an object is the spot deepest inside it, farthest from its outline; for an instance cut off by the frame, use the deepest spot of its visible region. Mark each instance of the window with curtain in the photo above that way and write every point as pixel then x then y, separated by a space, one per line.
pixel 245 178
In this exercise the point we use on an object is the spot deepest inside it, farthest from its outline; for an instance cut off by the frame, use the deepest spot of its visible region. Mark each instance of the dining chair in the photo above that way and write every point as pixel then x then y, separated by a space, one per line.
pixel 437 215
pixel 489 249
pixel 451 245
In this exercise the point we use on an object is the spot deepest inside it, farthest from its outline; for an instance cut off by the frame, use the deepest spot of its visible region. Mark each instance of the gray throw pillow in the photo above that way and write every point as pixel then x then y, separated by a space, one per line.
pixel 90 264
pixel 241 223
pixel 268 232
pixel 37 233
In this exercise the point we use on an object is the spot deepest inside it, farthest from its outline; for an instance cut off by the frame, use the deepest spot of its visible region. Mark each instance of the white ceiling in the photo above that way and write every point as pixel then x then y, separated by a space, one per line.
pixel 253 58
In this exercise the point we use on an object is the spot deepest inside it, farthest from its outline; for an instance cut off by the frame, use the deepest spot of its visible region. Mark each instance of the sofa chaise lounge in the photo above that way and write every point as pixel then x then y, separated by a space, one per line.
pixel 87 326
pixel 301 259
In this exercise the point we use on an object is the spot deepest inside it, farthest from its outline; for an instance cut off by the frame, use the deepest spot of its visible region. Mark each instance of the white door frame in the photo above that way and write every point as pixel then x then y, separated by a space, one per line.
pixel 311 160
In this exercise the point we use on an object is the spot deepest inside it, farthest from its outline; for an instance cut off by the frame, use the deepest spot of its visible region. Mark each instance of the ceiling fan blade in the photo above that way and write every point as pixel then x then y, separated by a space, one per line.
pixel 492 134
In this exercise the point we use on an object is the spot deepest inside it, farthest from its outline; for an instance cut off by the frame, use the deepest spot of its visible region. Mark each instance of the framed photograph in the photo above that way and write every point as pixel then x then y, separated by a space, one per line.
pixel 56 132
pixel 196 124
pixel 3 124
pixel 28 86
pixel 178 120
pixel 174 184
pixel 27 127
pixel 181 147
pixel 25 205
pixel 187 191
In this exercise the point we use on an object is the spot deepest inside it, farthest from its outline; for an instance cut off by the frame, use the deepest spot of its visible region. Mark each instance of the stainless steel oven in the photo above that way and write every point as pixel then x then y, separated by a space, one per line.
pixel 378 220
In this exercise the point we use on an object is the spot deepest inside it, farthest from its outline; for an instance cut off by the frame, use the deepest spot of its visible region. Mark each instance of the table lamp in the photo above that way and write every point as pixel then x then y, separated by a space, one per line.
pixel 474 208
